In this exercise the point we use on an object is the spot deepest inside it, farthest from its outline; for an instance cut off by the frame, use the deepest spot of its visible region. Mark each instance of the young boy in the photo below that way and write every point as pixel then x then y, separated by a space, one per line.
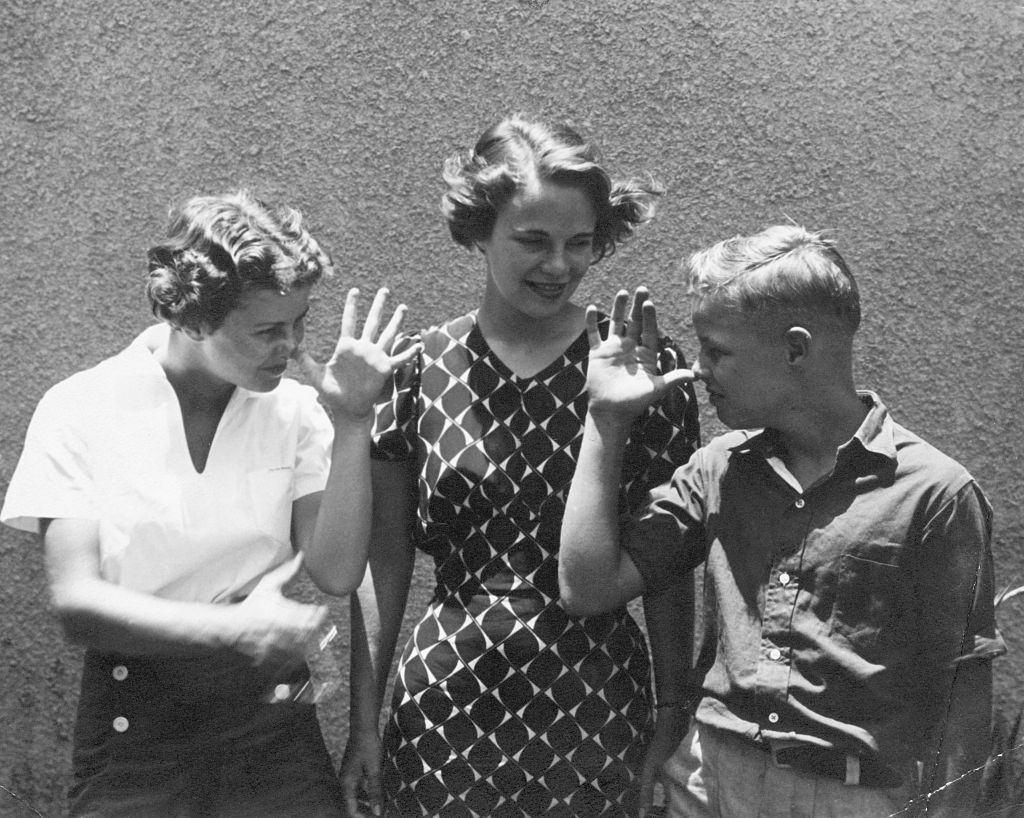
pixel 849 559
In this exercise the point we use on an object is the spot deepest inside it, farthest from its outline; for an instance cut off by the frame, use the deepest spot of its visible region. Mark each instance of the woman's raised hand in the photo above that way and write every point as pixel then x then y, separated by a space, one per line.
pixel 622 375
pixel 353 379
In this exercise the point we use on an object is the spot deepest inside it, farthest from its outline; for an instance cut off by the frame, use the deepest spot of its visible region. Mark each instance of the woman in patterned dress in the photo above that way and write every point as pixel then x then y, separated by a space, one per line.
pixel 503 704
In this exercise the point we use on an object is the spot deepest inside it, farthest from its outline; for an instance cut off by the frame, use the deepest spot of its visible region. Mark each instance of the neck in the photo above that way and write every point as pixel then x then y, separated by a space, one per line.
pixel 817 430
pixel 184 365
pixel 499 322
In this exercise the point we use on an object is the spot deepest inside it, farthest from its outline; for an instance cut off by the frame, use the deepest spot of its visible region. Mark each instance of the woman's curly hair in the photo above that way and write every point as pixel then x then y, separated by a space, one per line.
pixel 220 247
pixel 514 151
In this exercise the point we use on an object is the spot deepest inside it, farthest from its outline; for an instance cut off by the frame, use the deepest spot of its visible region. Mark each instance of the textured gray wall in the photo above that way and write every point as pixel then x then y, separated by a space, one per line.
pixel 898 125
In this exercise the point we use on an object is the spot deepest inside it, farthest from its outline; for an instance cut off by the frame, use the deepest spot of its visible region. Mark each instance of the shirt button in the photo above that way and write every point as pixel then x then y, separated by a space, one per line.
pixel 775 654
pixel 120 673
pixel 282 692
pixel 784 578
pixel 120 724
pixel 773 718
pixel 800 502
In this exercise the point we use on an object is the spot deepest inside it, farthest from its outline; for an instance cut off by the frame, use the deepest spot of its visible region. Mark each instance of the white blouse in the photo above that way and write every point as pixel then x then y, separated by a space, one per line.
pixel 108 444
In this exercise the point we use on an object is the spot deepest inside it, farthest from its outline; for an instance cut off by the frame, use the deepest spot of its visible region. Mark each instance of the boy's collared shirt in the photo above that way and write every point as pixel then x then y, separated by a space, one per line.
pixel 840 609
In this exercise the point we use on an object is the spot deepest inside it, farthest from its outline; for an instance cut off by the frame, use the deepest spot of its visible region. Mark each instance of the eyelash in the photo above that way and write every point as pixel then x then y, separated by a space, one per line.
pixel 578 244
pixel 301 321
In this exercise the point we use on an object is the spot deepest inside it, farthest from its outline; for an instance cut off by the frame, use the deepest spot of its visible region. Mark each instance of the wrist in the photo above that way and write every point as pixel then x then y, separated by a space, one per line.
pixel 348 423
pixel 230 630
pixel 363 726
pixel 609 422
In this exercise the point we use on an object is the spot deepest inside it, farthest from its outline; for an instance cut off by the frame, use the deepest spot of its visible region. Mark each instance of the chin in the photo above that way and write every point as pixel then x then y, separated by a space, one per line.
pixel 265 383
pixel 732 421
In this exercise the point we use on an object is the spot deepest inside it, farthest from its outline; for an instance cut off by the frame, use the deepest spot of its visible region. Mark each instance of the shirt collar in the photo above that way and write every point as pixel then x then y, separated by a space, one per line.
pixel 140 354
pixel 875 434
pixel 874 437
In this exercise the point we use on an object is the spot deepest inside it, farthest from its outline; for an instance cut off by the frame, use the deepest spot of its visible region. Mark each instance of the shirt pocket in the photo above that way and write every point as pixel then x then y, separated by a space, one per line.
pixel 870 590
pixel 270 499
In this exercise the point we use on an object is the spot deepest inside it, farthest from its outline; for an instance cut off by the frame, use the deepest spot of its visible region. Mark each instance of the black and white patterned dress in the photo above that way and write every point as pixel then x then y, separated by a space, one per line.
pixel 504 705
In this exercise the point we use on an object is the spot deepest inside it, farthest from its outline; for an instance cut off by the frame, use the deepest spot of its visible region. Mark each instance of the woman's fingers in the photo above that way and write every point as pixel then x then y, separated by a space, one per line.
pixel 648 321
pixel 372 324
pixel 374 319
pixel 593 334
pixel 349 318
pixel 637 314
pixel 674 376
pixel 405 356
pixel 390 333
pixel 619 318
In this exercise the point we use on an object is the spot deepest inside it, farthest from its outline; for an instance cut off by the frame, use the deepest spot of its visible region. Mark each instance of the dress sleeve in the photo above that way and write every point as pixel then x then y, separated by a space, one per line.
pixel 394 428
pixel 313 448
pixel 55 475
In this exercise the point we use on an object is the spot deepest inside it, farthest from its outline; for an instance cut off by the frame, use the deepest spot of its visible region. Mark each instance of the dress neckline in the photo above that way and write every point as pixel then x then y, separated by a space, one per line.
pixel 578 349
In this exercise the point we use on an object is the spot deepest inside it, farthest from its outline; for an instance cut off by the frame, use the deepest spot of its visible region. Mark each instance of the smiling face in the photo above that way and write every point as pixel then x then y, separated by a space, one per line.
pixel 252 346
pixel 539 250
pixel 743 366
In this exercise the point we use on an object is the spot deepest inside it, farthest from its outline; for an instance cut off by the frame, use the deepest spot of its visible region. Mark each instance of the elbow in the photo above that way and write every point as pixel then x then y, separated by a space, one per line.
pixel 578 602
pixel 335 583
pixel 74 630
pixel 575 605
pixel 72 616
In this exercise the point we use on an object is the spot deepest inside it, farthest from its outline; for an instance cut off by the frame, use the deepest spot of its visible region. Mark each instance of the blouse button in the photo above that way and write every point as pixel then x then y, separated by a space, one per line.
pixel 800 503
pixel 773 718
pixel 775 654
pixel 784 578
pixel 120 724
pixel 120 673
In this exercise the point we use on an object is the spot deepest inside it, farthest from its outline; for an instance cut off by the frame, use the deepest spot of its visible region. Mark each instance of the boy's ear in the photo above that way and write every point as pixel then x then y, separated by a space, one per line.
pixel 193 333
pixel 798 344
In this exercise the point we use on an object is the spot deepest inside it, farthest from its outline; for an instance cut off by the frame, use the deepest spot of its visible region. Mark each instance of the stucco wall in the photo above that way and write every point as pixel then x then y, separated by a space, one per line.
pixel 897 125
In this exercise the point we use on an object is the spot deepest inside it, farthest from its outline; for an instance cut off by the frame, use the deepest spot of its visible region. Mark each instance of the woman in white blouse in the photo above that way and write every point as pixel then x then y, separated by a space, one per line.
pixel 176 487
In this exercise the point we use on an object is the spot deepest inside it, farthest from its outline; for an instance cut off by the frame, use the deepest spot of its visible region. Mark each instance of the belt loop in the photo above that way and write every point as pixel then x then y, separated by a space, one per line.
pixel 852 770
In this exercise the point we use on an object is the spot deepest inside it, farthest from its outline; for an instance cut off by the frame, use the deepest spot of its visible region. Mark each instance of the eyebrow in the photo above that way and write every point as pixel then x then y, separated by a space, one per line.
pixel 305 312
pixel 542 232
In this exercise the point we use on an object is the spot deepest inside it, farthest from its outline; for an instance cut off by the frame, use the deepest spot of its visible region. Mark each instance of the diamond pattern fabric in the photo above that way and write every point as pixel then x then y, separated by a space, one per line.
pixel 503 704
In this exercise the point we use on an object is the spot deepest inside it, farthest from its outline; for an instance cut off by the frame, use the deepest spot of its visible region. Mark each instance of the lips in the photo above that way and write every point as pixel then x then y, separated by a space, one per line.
pixel 546 290
pixel 276 371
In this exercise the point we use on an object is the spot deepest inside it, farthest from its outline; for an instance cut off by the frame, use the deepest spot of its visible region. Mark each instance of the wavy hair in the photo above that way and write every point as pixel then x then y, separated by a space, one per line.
pixel 220 247
pixel 515 151
pixel 785 270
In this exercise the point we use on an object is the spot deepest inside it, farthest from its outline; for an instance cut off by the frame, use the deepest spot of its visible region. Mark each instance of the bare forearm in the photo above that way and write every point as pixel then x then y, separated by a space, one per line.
pixel 376 615
pixel 104 616
pixel 336 552
pixel 589 556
